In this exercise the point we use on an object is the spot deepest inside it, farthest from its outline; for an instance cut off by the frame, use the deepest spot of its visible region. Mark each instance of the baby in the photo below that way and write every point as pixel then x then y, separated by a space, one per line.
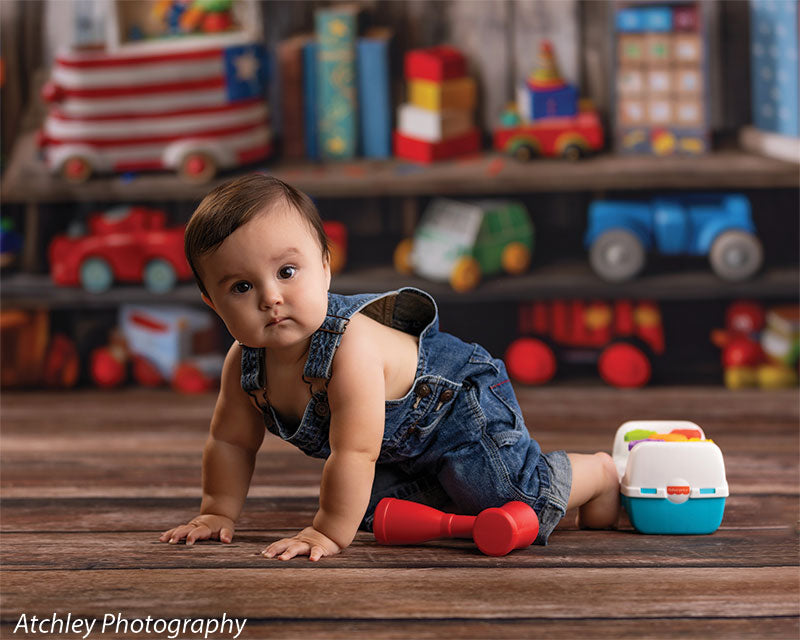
pixel 367 382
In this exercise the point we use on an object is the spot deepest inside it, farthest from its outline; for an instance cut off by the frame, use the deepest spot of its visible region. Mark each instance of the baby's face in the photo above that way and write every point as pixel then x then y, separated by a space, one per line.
pixel 268 280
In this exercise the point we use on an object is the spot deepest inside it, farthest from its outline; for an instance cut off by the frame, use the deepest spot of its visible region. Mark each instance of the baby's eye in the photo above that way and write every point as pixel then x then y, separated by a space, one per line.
pixel 241 287
pixel 286 272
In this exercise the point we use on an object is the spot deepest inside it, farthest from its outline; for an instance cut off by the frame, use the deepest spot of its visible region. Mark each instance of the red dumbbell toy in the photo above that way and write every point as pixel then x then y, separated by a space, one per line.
pixel 496 531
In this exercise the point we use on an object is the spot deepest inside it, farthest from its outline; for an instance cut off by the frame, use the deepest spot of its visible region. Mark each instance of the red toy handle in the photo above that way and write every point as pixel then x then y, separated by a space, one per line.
pixel 405 522
pixel 496 531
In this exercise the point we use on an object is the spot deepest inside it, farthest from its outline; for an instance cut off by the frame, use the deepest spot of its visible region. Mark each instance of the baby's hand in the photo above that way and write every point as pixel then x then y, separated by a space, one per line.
pixel 308 542
pixel 201 528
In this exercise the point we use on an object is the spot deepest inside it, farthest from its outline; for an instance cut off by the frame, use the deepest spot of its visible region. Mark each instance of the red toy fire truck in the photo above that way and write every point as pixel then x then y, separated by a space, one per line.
pixel 620 337
pixel 548 119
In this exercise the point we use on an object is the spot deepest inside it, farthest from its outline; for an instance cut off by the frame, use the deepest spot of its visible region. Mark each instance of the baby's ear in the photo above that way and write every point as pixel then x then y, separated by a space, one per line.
pixel 326 265
pixel 207 300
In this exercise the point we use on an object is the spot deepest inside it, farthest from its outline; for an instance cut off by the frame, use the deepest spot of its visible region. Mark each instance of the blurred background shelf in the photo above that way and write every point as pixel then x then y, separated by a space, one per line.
pixel 27 181
pixel 564 280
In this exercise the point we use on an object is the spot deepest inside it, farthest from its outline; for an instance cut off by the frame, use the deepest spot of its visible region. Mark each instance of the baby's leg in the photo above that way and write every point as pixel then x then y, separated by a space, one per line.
pixel 595 490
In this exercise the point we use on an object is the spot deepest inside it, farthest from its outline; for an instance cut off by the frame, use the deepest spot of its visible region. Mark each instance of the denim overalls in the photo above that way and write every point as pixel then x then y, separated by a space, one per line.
pixel 456 440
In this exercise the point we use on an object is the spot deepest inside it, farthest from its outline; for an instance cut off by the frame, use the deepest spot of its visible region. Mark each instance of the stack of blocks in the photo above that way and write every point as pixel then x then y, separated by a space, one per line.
pixel 546 94
pixel 661 80
pixel 438 122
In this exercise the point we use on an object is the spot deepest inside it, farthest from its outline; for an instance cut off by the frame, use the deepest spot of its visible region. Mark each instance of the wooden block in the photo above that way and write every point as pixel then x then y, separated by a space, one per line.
pixel 687 81
pixel 630 81
pixel 630 49
pixel 435 63
pixel 432 126
pixel 685 18
pixel 460 93
pixel 659 82
pixel 422 151
pixel 632 112
pixel 659 111
pixel 658 48
pixel 687 48
pixel 689 111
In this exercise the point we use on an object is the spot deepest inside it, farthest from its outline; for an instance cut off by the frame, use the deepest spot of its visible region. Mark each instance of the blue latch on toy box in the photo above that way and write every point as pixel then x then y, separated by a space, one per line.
pixel 672 479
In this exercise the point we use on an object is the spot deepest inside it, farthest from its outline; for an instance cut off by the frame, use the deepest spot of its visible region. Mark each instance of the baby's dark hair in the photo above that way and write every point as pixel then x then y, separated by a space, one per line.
pixel 235 203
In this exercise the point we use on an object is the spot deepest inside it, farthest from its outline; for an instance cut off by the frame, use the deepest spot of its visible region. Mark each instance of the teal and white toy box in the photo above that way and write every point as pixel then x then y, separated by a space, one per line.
pixel 672 479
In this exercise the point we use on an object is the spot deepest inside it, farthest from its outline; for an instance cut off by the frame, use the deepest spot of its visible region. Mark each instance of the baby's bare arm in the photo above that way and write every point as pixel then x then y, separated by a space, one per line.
pixel 356 394
pixel 228 460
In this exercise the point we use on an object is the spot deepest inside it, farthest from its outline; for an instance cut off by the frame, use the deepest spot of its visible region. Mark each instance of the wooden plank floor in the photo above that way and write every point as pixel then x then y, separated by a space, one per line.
pixel 89 479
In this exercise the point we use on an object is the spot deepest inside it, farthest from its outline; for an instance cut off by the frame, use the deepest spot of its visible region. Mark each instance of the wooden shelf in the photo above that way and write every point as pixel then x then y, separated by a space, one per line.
pixel 27 181
pixel 568 280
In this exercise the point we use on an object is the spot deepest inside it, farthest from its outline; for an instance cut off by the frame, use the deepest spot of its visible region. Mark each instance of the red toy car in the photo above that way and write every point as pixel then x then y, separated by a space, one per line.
pixel 124 244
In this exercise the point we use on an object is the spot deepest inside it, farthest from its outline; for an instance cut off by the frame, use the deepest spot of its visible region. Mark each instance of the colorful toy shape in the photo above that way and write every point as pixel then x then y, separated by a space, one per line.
pixel 548 119
pixel 124 244
pixel 672 479
pixel 460 242
pixel 496 531
pixel 620 233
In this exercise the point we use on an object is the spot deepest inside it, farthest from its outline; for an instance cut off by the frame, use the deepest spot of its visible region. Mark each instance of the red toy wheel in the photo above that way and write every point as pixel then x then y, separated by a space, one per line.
pixel 530 361
pixel 198 167
pixel 624 365
pixel 76 169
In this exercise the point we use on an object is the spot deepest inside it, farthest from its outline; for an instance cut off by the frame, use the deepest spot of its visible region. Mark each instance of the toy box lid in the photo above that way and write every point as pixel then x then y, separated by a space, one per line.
pixel 676 470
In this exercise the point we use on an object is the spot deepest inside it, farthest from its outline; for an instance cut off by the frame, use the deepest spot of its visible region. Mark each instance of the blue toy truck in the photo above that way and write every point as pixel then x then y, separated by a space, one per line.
pixel 620 233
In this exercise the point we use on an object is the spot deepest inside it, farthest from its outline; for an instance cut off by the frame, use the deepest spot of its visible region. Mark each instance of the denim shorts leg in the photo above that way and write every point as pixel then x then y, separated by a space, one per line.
pixel 556 496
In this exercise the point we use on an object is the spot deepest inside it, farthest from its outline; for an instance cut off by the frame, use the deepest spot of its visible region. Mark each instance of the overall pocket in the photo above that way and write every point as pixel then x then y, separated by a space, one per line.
pixel 432 400
pixel 504 423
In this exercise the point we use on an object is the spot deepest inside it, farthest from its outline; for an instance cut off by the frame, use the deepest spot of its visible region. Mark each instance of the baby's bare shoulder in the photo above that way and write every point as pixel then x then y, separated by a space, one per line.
pixel 362 338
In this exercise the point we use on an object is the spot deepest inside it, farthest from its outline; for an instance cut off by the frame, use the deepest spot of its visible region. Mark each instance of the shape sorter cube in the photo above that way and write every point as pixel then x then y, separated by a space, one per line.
pixel 435 63
pixel 672 479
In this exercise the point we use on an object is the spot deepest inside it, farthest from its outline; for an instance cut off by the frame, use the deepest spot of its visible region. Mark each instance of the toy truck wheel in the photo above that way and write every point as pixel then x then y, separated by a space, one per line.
pixel 402 256
pixel 197 167
pixel 530 361
pixel 466 274
pixel 76 169
pixel 617 255
pixel 516 258
pixel 524 152
pixel 736 255
pixel 95 275
pixel 624 365
pixel 159 276
pixel 573 152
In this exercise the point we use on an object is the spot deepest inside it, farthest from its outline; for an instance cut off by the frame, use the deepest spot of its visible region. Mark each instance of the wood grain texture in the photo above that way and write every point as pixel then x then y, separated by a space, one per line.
pixel 86 494
pixel 26 180
pixel 293 591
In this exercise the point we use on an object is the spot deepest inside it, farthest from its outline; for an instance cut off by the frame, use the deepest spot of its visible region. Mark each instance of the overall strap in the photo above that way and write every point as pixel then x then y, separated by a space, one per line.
pixel 327 338
pixel 253 370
